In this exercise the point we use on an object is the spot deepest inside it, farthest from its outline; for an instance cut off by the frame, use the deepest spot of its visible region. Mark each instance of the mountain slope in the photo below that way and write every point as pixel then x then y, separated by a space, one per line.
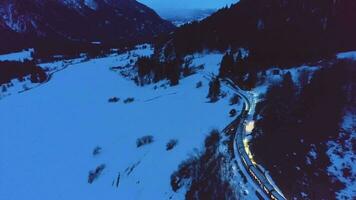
pixel 108 21
pixel 275 31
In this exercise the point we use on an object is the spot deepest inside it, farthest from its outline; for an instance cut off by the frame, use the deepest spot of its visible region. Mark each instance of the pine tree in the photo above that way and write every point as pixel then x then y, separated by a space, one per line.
pixel 226 66
pixel 214 89
pixel 173 72
pixel 239 69
pixel 251 80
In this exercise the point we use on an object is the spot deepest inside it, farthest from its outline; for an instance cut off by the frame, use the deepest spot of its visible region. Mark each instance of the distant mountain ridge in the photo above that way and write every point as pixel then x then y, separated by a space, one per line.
pixel 108 21
pixel 180 17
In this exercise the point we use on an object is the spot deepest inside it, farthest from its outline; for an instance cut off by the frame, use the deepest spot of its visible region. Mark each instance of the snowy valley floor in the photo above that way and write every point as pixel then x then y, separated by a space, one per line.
pixel 48 133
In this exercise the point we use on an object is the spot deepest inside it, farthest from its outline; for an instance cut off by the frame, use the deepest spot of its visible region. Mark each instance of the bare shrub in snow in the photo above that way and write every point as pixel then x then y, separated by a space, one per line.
pixel 171 144
pixel 234 100
pixel 233 112
pixel 199 84
pixel 97 151
pixel 223 95
pixel 114 100
pixel 94 174
pixel 129 100
pixel 148 139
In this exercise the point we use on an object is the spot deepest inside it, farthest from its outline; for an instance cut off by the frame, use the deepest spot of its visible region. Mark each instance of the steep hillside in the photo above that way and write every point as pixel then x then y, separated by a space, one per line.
pixel 275 31
pixel 300 136
pixel 27 23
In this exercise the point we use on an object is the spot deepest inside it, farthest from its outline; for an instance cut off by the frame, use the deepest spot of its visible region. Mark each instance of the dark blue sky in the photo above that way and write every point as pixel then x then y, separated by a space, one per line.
pixel 190 4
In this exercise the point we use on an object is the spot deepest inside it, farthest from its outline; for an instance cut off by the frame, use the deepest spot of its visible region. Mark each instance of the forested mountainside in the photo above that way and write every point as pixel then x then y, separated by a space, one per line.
pixel 58 22
pixel 295 124
pixel 274 31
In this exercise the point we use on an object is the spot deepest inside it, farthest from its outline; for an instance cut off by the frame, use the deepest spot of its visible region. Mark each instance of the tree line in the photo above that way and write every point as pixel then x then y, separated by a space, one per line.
pixel 152 70
pixel 10 70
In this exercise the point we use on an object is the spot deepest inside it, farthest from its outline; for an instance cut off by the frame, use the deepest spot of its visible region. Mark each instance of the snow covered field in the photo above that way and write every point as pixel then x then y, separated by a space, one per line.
pixel 48 133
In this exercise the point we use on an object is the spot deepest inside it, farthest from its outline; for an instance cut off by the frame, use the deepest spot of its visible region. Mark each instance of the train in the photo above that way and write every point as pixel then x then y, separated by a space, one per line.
pixel 256 173
pixel 258 176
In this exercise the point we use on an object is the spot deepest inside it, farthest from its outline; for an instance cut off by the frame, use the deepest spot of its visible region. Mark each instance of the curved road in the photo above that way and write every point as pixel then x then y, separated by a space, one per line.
pixel 238 128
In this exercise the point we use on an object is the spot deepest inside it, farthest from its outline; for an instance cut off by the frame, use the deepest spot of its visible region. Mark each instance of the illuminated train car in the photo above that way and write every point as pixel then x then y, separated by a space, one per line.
pixel 264 183
pixel 267 187
pixel 257 175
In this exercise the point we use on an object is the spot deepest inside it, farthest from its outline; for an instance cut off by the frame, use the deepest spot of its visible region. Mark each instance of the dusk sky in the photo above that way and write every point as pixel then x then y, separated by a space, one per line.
pixel 190 4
